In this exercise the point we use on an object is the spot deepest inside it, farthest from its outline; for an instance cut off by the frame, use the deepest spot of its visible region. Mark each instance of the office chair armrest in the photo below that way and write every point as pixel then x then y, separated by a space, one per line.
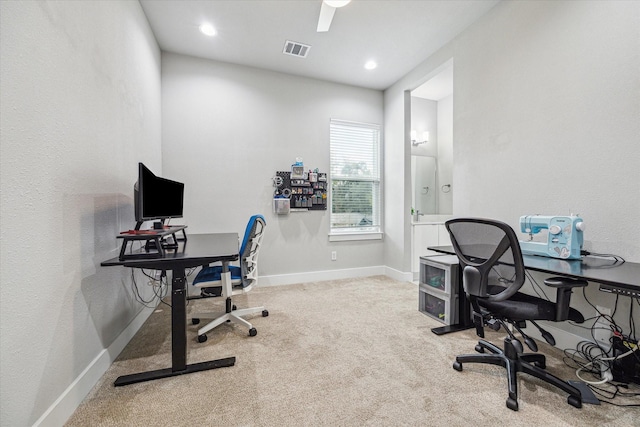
pixel 564 285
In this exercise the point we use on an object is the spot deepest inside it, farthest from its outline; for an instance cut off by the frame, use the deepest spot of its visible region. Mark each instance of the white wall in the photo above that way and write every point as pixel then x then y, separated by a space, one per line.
pixel 397 179
pixel 555 106
pixel 545 120
pixel 445 153
pixel 228 128
pixel 80 106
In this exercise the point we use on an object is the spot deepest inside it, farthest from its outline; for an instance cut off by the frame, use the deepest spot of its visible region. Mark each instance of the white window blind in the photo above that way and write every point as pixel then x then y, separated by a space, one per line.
pixel 355 177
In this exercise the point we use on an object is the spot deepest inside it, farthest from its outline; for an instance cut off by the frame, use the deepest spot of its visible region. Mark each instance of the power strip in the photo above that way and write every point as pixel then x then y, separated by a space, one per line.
pixel 605 371
pixel 621 291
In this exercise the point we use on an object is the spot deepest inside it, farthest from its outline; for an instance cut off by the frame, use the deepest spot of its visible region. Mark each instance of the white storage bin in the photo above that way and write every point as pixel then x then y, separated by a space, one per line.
pixel 436 304
pixel 440 272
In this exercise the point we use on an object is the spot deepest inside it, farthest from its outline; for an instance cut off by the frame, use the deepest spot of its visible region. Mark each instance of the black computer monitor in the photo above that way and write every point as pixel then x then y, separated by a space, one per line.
pixel 156 198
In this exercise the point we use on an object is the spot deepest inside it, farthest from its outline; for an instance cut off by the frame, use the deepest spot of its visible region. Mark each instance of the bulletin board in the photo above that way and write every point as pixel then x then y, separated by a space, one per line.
pixel 306 193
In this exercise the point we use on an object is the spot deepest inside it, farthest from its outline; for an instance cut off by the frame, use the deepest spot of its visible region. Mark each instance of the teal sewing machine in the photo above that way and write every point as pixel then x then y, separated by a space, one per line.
pixel 564 238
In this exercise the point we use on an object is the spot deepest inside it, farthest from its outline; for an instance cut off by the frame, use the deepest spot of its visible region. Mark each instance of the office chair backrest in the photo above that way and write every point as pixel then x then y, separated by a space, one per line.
pixel 250 248
pixel 490 257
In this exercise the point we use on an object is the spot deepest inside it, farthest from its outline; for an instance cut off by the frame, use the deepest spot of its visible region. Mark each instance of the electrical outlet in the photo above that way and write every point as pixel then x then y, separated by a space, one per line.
pixel 334 255
pixel 604 310
pixel 602 328
pixel 155 277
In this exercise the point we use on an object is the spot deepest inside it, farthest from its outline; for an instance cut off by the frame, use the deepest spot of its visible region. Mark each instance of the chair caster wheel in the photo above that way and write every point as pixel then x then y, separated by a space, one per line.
pixel 479 348
pixel 512 404
pixel 457 366
pixel 265 313
pixel 574 401
pixel 195 321
pixel 202 338
pixel 253 332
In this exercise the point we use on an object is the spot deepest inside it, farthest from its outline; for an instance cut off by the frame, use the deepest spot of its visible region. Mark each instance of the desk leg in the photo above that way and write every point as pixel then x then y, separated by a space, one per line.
pixel 225 278
pixel 178 320
pixel 464 316
pixel 443 330
pixel 178 340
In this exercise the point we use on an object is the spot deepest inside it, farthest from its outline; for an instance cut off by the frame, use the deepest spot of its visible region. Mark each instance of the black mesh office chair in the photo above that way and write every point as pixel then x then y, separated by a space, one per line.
pixel 493 272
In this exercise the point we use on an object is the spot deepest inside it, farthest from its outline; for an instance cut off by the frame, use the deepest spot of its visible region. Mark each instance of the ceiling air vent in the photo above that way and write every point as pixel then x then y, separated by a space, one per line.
pixel 296 49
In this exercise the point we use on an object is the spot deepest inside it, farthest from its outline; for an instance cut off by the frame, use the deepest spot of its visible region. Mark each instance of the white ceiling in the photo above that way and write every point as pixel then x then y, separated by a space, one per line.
pixel 438 87
pixel 397 34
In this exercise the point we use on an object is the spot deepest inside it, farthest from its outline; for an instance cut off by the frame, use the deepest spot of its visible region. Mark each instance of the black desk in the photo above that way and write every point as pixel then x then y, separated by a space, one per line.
pixel 200 249
pixel 616 277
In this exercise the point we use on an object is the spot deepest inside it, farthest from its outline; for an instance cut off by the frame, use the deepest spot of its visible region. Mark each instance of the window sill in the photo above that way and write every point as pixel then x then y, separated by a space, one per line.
pixel 344 237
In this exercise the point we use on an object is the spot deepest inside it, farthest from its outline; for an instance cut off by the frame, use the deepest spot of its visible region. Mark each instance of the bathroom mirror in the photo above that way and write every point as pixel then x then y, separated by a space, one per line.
pixel 424 184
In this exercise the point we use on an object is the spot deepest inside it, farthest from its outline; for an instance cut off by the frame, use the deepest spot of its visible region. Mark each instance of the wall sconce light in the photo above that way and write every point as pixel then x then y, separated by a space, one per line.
pixel 414 138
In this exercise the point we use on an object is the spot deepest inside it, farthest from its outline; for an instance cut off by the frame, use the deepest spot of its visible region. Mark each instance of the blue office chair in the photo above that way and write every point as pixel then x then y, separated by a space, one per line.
pixel 492 274
pixel 240 280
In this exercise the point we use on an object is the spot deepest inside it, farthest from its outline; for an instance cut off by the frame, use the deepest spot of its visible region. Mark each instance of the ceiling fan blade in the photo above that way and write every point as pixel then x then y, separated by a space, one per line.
pixel 326 16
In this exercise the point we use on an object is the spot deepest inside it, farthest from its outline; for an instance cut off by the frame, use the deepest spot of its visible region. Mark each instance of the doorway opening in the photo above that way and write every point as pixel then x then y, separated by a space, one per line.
pixel 432 143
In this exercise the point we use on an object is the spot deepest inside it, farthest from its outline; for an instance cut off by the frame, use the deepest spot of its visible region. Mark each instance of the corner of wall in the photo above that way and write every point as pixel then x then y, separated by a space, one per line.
pixel 66 404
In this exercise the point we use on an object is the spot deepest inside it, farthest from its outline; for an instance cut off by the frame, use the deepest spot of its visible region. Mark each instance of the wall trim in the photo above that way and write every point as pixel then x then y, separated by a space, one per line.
pixel 402 276
pixel 66 404
pixel 317 276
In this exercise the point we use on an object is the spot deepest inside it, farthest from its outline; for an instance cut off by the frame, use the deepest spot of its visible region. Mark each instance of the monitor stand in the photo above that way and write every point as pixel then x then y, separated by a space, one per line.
pixel 139 224
pixel 155 241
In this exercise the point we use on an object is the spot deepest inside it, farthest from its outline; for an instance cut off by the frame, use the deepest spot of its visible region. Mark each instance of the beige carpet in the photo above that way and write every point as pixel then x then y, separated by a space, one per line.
pixel 340 353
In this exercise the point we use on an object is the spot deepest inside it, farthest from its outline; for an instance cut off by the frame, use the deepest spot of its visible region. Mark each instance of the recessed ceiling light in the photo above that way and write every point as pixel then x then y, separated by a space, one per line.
pixel 207 29
pixel 370 65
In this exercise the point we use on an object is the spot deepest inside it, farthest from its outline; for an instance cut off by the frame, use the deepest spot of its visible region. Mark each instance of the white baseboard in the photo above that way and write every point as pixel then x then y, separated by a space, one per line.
pixel 401 276
pixel 317 276
pixel 65 405
pixel 347 273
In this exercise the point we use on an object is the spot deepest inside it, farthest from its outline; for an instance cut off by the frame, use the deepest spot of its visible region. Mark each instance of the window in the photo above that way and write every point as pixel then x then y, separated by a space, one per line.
pixel 356 202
